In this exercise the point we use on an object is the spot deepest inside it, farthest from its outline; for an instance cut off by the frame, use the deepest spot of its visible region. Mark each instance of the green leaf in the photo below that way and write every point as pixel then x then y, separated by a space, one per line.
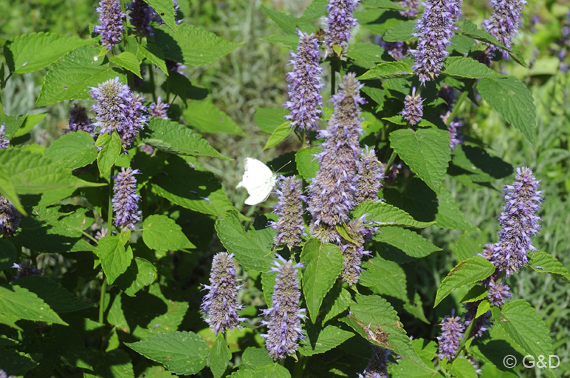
pixel 467 68
pixel 253 357
pixel 7 190
pixel 328 338
pixel 402 32
pixel 73 76
pixel 474 269
pixel 192 45
pixel 128 61
pixel 526 327
pixel 112 148
pixel 268 119
pixel 365 52
pixel 7 254
pixel 163 234
pixel 219 357
pixel 11 124
pixel 382 4
pixel 112 363
pixel 339 304
pixel 207 118
pixel 477 293
pixel 178 139
pixel 316 9
pixel 73 150
pixel 385 214
pixel 272 370
pixel 19 303
pixel 252 249
pixel 388 70
pixel 139 274
pixel 192 188
pixel 281 133
pixel 323 264
pixel 513 100
pixel 462 368
pixel 449 215
pixel 34 51
pixel 543 262
pixel 288 24
pixel 155 55
pixel 31 173
pixel 58 298
pixel 411 243
pixel 165 9
pixel 466 247
pixel 483 308
pixel 114 258
pixel 307 164
pixel 18 363
pixel 29 123
pixel 425 151
pixel 373 318
pixel 180 352
pixel 385 278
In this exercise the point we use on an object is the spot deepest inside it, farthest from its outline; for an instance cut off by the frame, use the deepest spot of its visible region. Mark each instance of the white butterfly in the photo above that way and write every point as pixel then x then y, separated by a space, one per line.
pixel 258 180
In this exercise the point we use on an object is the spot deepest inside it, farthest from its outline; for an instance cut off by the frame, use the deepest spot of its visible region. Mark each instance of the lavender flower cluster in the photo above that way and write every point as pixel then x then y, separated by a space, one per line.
pixel 220 306
pixel 80 121
pixel 413 108
pixel 125 199
pixel 289 208
pixel 340 22
pixel 119 109
pixel 369 177
pixel 434 31
pixel 111 19
pixel 504 21
pixel 377 364
pixel 4 142
pixel 26 269
pixel 142 14
pixel 411 7
pixel 304 84
pixel 451 333
pixel 9 217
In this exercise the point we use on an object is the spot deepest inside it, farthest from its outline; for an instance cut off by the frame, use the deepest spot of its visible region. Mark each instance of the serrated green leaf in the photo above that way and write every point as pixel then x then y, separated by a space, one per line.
pixel 128 61
pixel 192 45
pixel 543 262
pixel 387 215
pixel 387 70
pixel 165 10
pixel 219 357
pixel 180 352
pixel 382 4
pixel 155 55
pixel 34 51
pixel 109 154
pixel 474 269
pixel 178 139
pixel 526 327
pixel 462 368
pixel 316 9
pixel 58 298
pixel 139 274
pixel 31 173
pixel 268 119
pixel 281 133
pixel 29 123
pixel 73 76
pixel 253 357
pixel 328 338
pixel 207 118
pixel 323 264
pixel 11 124
pixel 425 151
pixel 365 52
pixel 467 68
pixel 17 363
pixel 163 234
pixel 449 215
pixel 252 249
pixel 385 278
pixel 411 243
pixel 7 190
pixel 73 150
pixel 466 247
pixel 272 370
pixel 307 164
pixel 114 258
pixel 477 293
pixel 512 99
pixel 20 303
pixel 402 32
pixel 341 299
pixel 287 23
pixel 483 308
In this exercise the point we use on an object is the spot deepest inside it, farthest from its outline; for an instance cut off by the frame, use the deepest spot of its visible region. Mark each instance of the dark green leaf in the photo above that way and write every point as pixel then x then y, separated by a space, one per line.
pixel 165 10
pixel 73 150
pixel 385 214
pixel 543 262
pixel 467 68
pixel 388 70
pixel 219 357
pixel 163 234
pixel 412 244
pixel 114 258
pixel 19 303
pixel 128 61
pixel 207 118
pixel 307 164
pixel 112 148
pixel 268 119
pixel 328 338
pixel 138 275
pixel 401 32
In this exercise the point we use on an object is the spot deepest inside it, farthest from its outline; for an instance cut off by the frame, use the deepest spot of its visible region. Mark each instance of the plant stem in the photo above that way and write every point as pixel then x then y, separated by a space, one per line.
pixel 299 368
pixel 333 76
pixel 390 162
pixel 459 103
pixel 102 300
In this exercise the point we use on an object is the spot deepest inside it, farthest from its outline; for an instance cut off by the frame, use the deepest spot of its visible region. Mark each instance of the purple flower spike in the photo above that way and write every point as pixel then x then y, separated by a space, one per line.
pixel 159 109
pixel 413 108
pixel 125 199
pixel 290 226
pixel 4 143
pixel 141 15
pixel 26 269
pixel 378 364
pixel 283 320
pixel 504 21
pixel 340 22
pixel 4 375
pixel 79 121
pixel 454 138
pixel 369 177
pixel 119 109
pixel 9 217
pixel 482 323
pixel 304 84
pixel 519 222
pixel 412 6
pixel 333 189
pixel 352 251
pixel 451 334
pixel 220 306
pixel 434 31
pixel 497 293
pixel 111 19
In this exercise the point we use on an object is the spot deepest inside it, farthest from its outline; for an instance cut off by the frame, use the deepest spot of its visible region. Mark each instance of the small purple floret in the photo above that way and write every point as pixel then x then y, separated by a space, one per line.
pixel 111 19
pixel 451 334
pixel 125 199
pixel 413 108
pixel 504 22
pixel 340 22
pixel 289 209
pixel 80 121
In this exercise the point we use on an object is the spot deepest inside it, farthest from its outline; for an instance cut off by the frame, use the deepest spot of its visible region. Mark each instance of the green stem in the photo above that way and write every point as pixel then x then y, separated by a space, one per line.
pixel 390 162
pixel 102 300
pixel 299 368
pixel 459 103
pixel 333 76
pixel 89 236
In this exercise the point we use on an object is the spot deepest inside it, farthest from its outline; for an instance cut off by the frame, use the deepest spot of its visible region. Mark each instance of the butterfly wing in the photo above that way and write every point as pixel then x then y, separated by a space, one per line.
pixel 258 180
